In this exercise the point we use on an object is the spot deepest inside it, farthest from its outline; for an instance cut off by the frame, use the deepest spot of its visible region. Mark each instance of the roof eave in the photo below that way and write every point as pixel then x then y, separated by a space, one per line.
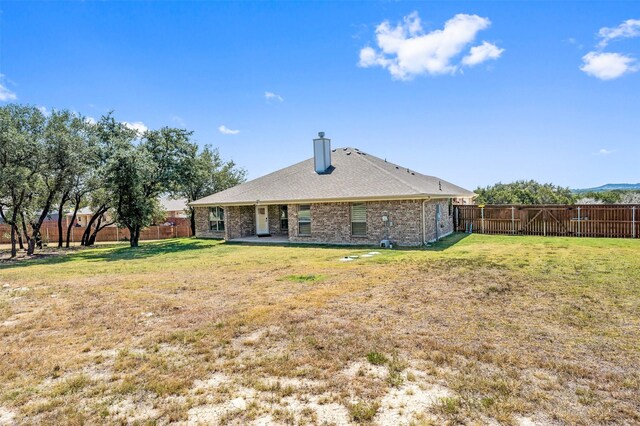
pixel 328 200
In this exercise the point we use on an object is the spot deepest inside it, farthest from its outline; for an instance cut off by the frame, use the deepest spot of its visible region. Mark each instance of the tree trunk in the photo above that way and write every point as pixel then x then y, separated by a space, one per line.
pixel 24 229
pixel 71 222
pixel 98 228
pixel 135 236
pixel 65 198
pixel 31 246
pixel 87 232
pixel 92 237
pixel 19 235
pixel 14 252
pixel 36 226
pixel 14 227
pixel 193 221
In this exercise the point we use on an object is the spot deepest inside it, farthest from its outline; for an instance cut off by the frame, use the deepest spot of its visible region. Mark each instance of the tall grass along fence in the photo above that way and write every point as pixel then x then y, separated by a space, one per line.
pixel 585 220
pixel 49 233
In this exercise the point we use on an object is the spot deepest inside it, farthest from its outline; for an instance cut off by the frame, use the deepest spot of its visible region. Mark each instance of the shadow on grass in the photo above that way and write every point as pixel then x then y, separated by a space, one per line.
pixel 447 242
pixel 108 253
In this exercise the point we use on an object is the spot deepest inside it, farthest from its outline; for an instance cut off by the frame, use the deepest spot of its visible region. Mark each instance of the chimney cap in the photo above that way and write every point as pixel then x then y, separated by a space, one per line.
pixel 321 134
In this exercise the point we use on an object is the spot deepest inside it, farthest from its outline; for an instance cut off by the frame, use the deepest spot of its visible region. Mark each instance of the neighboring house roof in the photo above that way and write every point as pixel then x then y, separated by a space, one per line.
pixel 354 175
pixel 168 204
pixel 83 211
pixel 174 205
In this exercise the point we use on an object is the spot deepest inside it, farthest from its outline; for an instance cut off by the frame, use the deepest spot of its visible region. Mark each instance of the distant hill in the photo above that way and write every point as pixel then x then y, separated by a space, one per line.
pixel 610 187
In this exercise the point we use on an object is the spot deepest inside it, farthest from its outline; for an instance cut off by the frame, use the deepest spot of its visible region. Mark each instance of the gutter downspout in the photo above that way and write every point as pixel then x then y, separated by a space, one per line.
pixel 438 213
pixel 424 223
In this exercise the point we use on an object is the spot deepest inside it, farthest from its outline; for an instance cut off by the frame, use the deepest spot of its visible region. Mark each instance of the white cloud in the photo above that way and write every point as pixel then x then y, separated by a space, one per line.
pixel 628 29
pixel 6 94
pixel 44 111
pixel 607 66
pixel 405 50
pixel 604 151
pixel 270 96
pixel 227 131
pixel 178 120
pixel 138 126
pixel 481 53
pixel 90 120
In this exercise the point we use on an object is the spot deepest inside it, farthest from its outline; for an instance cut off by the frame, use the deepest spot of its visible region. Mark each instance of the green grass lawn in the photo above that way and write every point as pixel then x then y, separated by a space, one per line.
pixel 476 329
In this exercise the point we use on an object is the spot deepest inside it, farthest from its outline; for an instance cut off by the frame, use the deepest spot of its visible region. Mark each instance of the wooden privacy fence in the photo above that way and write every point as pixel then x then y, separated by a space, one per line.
pixel 584 220
pixel 49 233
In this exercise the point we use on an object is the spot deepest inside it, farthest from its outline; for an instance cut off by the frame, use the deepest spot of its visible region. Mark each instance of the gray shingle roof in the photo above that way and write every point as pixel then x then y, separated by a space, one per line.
pixel 354 175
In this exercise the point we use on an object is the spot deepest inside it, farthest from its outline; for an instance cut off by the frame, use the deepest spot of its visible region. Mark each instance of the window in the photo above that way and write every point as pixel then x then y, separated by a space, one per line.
pixel 304 219
pixel 216 219
pixel 284 218
pixel 358 220
pixel 450 206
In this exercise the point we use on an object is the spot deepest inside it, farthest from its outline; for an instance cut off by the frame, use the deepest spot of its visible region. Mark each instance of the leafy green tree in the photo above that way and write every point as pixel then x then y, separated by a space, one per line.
pixel 21 162
pixel 108 137
pixel 71 146
pixel 524 192
pixel 61 133
pixel 128 173
pixel 204 173
pixel 138 175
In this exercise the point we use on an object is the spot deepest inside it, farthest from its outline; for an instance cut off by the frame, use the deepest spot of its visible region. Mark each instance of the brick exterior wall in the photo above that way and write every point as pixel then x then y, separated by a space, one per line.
pixel 239 221
pixel 274 221
pixel 331 222
pixel 202 224
pixel 444 225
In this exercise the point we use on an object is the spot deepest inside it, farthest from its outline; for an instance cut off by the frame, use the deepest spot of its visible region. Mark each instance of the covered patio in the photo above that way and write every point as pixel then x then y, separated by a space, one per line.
pixel 271 239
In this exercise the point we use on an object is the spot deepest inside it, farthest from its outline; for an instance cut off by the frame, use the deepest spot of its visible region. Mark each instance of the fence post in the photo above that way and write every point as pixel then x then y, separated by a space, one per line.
pixel 578 221
pixel 513 220
pixel 633 220
pixel 158 229
pixel 117 233
pixel 482 215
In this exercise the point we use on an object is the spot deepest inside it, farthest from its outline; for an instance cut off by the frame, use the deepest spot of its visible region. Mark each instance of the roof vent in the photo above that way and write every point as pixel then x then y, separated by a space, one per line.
pixel 321 153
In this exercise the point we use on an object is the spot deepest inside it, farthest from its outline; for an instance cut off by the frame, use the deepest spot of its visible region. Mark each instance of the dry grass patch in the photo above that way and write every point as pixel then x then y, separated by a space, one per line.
pixel 473 330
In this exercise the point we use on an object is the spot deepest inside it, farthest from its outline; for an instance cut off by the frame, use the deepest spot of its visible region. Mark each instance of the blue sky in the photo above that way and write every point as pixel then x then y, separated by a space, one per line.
pixel 472 92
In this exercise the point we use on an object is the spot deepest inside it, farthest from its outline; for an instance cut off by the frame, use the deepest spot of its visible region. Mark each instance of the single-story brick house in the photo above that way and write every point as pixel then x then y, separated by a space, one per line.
pixel 340 196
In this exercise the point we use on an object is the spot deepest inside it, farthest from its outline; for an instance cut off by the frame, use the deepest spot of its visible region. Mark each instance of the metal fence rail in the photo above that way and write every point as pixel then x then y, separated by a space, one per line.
pixel 584 220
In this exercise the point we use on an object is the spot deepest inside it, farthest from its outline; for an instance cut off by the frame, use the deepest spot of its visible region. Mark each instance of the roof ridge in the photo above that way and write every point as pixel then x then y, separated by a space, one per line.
pixel 388 172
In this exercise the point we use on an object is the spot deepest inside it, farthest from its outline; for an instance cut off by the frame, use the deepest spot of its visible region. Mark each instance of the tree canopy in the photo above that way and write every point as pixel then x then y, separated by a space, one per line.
pixel 49 161
pixel 524 192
